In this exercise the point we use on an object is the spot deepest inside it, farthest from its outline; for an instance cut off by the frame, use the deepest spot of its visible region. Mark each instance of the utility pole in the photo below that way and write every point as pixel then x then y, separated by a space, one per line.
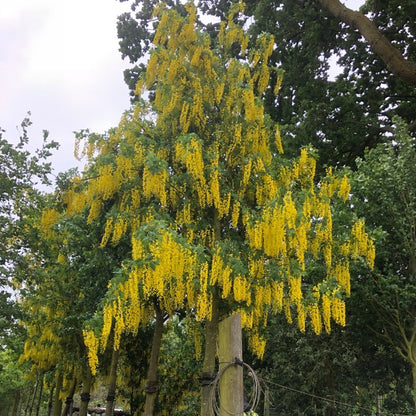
pixel 230 350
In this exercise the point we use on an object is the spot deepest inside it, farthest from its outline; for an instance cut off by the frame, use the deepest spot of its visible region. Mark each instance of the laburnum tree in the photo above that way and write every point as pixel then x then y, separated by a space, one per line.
pixel 62 286
pixel 50 302
pixel 219 221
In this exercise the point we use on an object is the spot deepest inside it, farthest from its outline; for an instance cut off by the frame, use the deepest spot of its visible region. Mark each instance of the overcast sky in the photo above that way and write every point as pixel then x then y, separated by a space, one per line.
pixel 60 61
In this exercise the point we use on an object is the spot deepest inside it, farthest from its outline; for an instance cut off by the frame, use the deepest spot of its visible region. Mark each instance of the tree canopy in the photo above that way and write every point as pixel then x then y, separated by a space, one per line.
pixel 189 211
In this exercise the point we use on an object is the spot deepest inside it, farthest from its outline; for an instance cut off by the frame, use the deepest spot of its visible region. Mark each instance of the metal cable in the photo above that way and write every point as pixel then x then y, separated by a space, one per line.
pixel 326 399
pixel 215 396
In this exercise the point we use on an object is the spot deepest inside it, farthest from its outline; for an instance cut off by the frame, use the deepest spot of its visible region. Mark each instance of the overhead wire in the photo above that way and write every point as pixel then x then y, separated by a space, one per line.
pixel 326 399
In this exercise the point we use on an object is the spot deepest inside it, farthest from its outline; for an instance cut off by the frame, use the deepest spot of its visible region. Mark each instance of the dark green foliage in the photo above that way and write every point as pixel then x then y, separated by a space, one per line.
pixel 385 186
pixel 179 387
pixel 133 365
pixel 305 372
pixel 21 175
pixel 135 30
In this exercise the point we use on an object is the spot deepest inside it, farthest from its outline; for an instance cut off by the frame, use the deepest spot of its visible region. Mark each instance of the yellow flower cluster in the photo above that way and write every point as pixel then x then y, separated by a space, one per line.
pixel 291 229
pixel 301 315
pixel 231 33
pixel 44 350
pixel 107 232
pixel 344 188
pixel 169 280
pixel 49 218
pixel 362 244
pixel 315 316
pixel 91 342
pixel 106 183
pixel 235 214
pixel 257 344
pixel 95 209
pixel 262 51
pixel 190 154
pixel 279 80
pixel 342 273
pixel 241 290
pixel 119 229
pixel 221 274
pixel 204 298
pixel 175 267
pixel 154 184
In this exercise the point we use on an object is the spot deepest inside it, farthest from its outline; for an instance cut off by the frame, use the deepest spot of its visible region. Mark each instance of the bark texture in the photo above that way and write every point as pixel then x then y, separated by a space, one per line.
pixel 69 400
pixel 57 402
pixel 85 395
pixel 111 395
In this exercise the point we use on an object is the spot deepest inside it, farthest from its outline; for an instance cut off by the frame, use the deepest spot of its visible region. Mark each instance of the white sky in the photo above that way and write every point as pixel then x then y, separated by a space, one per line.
pixel 60 61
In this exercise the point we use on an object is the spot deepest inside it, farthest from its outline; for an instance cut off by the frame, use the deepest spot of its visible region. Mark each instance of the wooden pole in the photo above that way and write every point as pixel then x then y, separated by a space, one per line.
pixel 267 402
pixel 230 350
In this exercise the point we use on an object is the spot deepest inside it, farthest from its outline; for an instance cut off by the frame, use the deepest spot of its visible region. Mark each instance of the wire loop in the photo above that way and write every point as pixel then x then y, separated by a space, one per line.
pixel 215 393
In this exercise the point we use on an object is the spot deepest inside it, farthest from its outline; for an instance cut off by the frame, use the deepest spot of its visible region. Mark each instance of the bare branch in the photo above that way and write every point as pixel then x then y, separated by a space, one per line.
pixel 391 56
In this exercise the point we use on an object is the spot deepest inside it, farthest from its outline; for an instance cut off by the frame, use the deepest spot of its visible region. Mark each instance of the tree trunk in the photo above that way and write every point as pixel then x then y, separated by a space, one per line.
pixel 208 367
pixel 412 346
pixel 151 387
pixel 414 382
pixel 16 402
pixel 57 402
pixel 40 397
pixel 32 402
pixel 85 395
pixel 69 400
pixel 111 395
pixel 391 56
pixel 50 401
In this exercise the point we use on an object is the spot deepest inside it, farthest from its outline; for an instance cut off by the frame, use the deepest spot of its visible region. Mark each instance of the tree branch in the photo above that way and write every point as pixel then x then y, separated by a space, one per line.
pixel 391 56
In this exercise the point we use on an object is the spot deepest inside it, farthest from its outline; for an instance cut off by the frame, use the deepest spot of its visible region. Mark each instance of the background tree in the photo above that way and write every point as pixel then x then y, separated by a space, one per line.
pixel 22 174
pixel 61 288
pixel 385 189
pixel 394 59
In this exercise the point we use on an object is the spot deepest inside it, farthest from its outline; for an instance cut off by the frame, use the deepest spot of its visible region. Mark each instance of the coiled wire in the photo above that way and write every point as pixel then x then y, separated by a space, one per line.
pixel 215 397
